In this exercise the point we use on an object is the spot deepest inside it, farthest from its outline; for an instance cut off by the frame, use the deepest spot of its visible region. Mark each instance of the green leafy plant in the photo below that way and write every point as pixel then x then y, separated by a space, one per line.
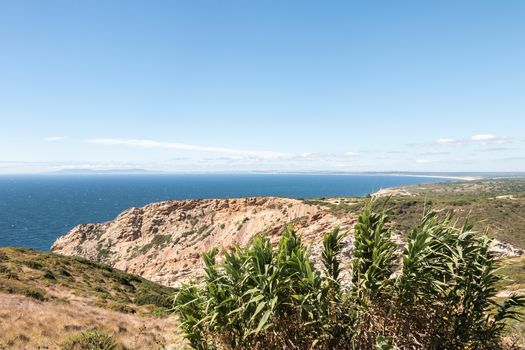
pixel 35 294
pixel 437 292
pixel 90 340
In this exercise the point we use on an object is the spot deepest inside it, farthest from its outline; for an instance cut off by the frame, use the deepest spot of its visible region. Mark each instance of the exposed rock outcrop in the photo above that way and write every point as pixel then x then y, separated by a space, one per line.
pixel 163 241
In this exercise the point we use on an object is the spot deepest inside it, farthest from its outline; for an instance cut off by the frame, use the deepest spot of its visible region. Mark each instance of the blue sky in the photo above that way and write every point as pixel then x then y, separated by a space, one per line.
pixel 262 85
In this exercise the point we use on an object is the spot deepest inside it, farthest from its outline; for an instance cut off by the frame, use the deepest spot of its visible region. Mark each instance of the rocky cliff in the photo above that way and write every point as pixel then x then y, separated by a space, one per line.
pixel 163 241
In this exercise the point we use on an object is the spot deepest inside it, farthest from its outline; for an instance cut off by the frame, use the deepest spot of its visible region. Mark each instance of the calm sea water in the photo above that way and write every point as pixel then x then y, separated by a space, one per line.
pixel 35 210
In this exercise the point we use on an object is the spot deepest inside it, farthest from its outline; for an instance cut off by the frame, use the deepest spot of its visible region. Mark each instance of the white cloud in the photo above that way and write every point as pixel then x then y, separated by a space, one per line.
pixel 423 161
pixel 496 149
pixel 447 141
pixel 305 160
pixel 488 138
pixel 351 154
pixel 433 153
pixel 483 137
pixel 182 146
pixel 54 138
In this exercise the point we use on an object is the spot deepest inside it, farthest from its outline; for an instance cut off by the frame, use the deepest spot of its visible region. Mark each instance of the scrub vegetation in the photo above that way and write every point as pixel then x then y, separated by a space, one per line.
pixel 439 292
pixel 49 301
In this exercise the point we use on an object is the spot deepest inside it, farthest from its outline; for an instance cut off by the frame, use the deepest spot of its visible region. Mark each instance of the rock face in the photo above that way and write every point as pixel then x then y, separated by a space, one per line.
pixel 504 249
pixel 163 241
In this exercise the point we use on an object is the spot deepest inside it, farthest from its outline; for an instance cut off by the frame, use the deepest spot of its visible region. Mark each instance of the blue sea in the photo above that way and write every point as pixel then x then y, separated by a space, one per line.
pixel 35 210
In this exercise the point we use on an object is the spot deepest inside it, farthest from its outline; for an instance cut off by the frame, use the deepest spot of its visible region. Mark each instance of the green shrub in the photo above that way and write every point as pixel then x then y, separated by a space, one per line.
pixel 49 275
pixel 123 279
pixel 64 272
pixel 439 293
pixel 150 298
pixel 126 309
pixel 262 298
pixel 11 275
pixel 32 264
pixel 103 254
pixel 4 269
pixel 90 340
pixel 100 289
pixel 35 294
pixel 157 241
pixel 162 312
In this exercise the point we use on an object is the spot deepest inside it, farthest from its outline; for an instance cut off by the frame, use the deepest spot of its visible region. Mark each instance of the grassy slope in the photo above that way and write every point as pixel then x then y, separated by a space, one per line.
pixel 41 275
pixel 514 271
pixel 495 207
pixel 502 218
pixel 37 283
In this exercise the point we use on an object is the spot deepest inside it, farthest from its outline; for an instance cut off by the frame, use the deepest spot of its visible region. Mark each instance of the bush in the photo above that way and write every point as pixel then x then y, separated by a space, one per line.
pixel 122 308
pixel 90 340
pixel 100 289
pixel 64 272
pixel 35 294
pixel 150 298
pixel 49 275
pixel 4 269
pixel 124 279
pixel 439 293
pixel 32 264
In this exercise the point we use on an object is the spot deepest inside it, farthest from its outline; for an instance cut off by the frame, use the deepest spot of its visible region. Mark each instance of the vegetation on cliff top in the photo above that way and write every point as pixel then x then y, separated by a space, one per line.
pixel 494 206
pixel 439 293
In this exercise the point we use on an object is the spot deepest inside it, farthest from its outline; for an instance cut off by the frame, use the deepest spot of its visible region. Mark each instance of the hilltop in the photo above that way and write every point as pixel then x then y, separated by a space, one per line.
pixel 495 206
pixel 45 298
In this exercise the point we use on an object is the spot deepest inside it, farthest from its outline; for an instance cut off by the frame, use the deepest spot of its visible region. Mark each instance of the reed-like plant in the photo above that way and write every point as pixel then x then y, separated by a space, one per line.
pixel 438 292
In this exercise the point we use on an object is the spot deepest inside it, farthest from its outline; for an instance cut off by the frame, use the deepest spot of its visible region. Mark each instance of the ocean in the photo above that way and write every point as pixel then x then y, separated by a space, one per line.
pixel 36 209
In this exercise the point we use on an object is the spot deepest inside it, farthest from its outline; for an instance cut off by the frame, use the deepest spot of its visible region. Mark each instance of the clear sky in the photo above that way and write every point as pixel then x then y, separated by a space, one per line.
pixel 262 85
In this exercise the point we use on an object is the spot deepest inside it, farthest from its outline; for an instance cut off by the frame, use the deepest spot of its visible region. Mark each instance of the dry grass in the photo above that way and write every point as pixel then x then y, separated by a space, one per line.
pixel 29 324
pixel 514 270
pixel 46 276
pixel 45 298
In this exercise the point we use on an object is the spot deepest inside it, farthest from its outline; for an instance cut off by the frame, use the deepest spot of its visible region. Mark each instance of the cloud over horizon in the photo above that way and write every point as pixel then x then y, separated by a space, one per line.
pixel 488 138
pixel 443 154
pixel 447 141
pixel 54 138
pixel 483 139
pixel 182 146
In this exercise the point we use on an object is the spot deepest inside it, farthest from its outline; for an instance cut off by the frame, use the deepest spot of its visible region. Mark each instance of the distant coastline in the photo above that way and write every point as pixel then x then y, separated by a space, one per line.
pixel 457 177
pixel 466 176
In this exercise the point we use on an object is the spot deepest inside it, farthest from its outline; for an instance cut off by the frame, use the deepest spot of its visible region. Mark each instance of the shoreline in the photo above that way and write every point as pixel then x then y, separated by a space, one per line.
pixel 464 178
pixel 459 176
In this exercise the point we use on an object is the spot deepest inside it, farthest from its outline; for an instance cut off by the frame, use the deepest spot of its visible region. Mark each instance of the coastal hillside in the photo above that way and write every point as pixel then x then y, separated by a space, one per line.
pixel 163 241
pixel 493 206
pixel 46 299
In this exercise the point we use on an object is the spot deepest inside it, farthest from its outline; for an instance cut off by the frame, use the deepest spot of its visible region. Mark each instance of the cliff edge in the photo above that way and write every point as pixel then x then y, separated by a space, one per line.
pixel 163 241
